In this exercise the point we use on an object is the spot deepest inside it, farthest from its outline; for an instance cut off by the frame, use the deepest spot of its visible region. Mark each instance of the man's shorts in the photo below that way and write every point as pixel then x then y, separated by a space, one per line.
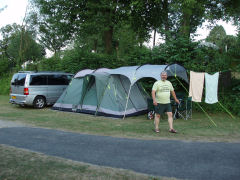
pixel 161 108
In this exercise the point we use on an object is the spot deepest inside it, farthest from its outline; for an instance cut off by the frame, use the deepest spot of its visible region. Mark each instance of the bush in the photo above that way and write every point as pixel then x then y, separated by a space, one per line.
pixel 5 83
pixel 4 66
pixel 138 56
pixel 49 64
pixel 230 100
pixel 76 60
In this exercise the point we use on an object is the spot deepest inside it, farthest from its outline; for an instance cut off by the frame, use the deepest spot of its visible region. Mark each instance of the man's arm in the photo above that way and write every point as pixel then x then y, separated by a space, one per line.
pixel 175 97
pixel 154 98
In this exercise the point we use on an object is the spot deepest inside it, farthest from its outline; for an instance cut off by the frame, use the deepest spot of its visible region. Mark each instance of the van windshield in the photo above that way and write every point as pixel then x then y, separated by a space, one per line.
pixel 18 79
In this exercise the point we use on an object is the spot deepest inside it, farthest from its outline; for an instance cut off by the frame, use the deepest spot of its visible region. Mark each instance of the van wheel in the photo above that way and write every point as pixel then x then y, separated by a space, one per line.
pixel 39 102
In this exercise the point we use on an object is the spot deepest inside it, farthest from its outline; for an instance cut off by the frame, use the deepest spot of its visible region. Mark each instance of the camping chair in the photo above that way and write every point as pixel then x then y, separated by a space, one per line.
pixel 176 106
pixel 184 109
pixel 151 112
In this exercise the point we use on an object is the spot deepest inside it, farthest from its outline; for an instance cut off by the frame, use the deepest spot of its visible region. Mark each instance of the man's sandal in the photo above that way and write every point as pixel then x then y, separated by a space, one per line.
pixel 172 131
pixel 157 130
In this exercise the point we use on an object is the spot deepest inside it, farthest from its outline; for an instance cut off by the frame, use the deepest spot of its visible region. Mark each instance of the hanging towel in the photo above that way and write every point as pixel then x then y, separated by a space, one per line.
pixel 211 86
pixel 196 86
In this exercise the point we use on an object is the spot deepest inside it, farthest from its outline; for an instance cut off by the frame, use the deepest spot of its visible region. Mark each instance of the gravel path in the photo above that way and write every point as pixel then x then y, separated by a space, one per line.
pixel 170 158
pixel 5 124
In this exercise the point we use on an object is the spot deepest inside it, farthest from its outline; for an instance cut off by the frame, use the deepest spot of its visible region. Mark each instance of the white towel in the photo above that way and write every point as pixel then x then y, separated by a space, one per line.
pixel 196 86
pixel 211 86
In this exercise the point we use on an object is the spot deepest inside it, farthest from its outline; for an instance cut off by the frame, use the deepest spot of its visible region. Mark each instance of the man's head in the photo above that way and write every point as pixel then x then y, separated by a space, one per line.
pixel 163 75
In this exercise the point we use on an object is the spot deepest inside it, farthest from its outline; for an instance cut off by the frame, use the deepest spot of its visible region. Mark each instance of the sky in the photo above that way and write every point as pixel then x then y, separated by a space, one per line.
pixel 15 11
pixel 203 32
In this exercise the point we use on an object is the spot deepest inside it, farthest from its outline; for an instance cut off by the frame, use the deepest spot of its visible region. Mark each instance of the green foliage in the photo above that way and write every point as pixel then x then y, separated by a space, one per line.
pixel 23 44
pixel 137 56
pixel 231 11
pixel 177 50
pixel 217 35
pixel 18 45
pixel 228 102
pixel 76 59
pixel 49 64
pixel 4 66
pixel 5 83
pixel 191 55
pixel 88 20
pixel 225 43
pixel 234 52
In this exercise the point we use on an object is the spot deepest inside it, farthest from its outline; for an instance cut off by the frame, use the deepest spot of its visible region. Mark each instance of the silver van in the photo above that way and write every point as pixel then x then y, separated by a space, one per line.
pixel 38 89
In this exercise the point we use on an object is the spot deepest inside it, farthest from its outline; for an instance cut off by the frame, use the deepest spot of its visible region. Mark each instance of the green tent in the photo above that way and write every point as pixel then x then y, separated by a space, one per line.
pixel 112 92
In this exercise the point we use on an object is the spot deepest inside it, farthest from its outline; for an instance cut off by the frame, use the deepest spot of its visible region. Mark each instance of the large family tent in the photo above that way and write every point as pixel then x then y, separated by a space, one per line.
pixel 112 92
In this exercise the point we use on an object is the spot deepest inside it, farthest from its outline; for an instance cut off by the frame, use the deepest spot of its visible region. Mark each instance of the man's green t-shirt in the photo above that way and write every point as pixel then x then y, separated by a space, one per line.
pixel 163 89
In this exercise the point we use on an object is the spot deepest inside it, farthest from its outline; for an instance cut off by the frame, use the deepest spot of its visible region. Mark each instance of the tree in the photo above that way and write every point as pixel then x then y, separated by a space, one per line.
pixel 217 36
pixel 15 36
pixel 231 9
pixel 49 35
pixel 30 49
pixel 85 17
pixel 6 33
pixel 96 24
pixel 183 17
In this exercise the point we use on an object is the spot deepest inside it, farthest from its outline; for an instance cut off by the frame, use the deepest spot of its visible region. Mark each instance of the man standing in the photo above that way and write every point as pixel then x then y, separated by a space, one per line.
pixel 161 100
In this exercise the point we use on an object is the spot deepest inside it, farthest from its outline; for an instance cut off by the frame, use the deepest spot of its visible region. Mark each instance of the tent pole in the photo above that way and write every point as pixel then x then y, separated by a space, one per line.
pixel 127 102
pixel 129 92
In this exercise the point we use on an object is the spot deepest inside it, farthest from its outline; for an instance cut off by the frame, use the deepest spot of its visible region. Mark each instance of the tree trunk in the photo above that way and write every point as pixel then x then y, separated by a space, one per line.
pixel 154 37
pixel 20 52
pixel 185 29
pixel 95 44
pixel 55 54
pixel 166 24
pixel 108 35
pixel 23 31
pixel 108 32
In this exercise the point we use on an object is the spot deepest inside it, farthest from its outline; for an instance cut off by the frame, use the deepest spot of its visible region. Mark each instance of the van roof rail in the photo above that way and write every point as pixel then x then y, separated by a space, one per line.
pixel 26 71
pixel 42 72
pixel 50 72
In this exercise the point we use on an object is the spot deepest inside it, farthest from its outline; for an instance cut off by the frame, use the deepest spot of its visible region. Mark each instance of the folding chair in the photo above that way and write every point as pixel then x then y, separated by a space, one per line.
pixel 175 106
pixel 184 109
pixel 151 112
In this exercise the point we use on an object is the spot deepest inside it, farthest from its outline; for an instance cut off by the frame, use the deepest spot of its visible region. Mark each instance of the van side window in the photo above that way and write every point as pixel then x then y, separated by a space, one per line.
pixel 18 79
pixel 14 79
pixel 21 79
pixel 38 80
pixel 58 80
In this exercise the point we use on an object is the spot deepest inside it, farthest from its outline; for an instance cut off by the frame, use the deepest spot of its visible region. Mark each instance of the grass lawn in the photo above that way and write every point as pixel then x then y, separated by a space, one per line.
pixel 197 128
pixel 21 164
